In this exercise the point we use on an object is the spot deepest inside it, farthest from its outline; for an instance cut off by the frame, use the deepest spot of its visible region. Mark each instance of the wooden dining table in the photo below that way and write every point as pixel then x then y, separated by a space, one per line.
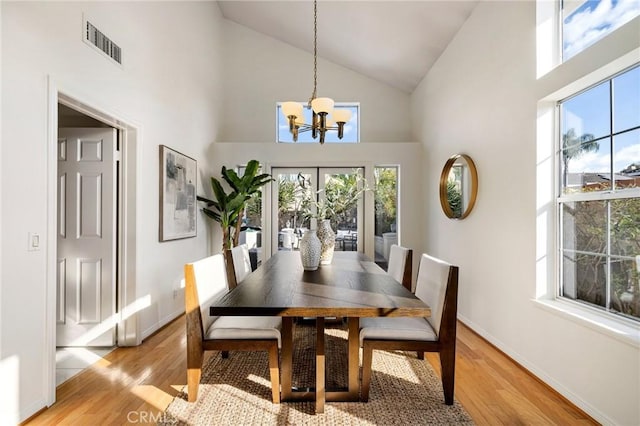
pixel 351 287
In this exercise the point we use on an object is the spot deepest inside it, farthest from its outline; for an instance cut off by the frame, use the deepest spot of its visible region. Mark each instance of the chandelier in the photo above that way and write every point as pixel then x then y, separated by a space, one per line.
pixel 321 122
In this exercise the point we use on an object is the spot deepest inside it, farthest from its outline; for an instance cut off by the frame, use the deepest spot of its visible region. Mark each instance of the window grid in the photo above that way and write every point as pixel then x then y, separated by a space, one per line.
pixel 612 194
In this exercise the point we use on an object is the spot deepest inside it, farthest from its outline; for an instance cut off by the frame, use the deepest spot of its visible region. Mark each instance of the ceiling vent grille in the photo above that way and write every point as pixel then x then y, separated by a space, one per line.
pixel 96 38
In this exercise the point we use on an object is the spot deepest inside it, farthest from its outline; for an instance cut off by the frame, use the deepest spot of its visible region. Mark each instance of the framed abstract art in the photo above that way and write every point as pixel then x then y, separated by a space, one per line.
pixel 178 174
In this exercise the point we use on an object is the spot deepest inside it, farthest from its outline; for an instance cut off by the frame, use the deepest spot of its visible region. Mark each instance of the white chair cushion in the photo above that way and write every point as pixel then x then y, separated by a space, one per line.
pixel 397 259
pixel 396 328
pixel 431 286
pixel 211 284
pixel 241 262
pixel 246 328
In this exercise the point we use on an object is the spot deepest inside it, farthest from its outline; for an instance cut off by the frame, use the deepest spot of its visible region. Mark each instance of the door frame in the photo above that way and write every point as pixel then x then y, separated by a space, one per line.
pixel 128 333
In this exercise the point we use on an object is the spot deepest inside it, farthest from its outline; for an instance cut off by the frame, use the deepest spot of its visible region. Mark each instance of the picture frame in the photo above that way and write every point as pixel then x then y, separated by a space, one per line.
pixel 178 183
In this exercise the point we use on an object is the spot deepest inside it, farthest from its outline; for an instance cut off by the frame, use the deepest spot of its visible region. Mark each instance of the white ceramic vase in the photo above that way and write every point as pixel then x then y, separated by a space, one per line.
pixel 328 239
pixel 310 248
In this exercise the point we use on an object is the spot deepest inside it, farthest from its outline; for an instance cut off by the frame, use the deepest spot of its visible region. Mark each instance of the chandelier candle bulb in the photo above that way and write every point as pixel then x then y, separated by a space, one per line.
pixel 341 115
pixel 292 109
pixel 293 112
pixel 322 105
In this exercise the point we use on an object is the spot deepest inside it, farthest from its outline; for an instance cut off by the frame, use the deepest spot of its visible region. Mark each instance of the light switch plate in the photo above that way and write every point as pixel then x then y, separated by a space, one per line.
pixel 33 243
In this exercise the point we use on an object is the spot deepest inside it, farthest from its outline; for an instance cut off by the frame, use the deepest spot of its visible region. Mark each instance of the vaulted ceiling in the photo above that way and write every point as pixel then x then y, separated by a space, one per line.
pixel 395 42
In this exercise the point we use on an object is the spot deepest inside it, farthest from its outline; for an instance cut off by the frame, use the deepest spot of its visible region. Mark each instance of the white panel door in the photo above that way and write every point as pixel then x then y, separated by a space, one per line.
pixel 86 308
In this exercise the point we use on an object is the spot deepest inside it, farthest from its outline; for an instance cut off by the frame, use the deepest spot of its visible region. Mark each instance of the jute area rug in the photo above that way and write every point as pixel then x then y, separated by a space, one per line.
pixel 237 390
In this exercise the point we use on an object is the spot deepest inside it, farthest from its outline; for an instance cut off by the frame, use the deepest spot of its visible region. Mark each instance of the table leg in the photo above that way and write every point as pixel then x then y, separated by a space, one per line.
pixel 320 365
pixel 320 393
pixel 286 364
pixel 354 358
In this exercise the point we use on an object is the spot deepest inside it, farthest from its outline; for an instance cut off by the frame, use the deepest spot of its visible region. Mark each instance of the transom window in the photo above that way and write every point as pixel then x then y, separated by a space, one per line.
pixel 351 128
pixel 586 22
pixel 599 197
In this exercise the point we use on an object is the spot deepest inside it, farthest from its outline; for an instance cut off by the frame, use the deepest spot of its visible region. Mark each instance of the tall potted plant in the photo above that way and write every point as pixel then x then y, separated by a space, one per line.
pixel 228 207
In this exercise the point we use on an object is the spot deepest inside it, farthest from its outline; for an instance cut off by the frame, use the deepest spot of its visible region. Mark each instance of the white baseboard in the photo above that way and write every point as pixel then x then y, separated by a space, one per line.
pixel 540 374
pixel 161 323
pixel 15 418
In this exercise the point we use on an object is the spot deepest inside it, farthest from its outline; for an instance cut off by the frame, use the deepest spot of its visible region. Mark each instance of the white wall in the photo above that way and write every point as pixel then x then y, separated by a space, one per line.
pixel 261 71
pixel 169 86
pixel 481 99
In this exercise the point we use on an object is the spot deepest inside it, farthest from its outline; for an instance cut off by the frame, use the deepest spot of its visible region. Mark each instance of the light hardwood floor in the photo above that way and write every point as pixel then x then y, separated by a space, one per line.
pixel 134 385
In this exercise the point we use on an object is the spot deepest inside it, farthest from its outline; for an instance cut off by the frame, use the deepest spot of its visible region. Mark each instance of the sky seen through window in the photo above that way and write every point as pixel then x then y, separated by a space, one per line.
pixel 590 113
pixel 593 20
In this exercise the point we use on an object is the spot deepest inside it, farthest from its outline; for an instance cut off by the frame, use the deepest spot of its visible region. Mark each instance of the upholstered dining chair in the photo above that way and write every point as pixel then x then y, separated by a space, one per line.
pixel 238 267
pixel 241 264
pixel 400 263
pixel 205 281
pixel 437 286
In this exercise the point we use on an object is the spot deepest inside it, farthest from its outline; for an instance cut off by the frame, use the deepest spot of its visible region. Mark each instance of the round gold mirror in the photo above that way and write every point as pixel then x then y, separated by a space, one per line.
pixel 458 186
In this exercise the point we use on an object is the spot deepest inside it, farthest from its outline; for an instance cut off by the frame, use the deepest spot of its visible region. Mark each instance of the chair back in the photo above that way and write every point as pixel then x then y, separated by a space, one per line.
pixel 241 262
pixel 437 286
pixel 400 260
pixel 205 281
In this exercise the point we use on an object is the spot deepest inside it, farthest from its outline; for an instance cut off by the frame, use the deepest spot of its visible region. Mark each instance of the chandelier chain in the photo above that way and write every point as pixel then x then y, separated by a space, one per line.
pixel 315 51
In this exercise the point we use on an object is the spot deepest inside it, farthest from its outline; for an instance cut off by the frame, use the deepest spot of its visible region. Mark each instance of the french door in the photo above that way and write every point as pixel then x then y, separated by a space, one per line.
pixel 295 192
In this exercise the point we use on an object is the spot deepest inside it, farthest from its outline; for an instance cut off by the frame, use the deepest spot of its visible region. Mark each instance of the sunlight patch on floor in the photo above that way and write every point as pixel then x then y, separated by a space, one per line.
pixel 259 380
pixel 153 396
pixel 71 361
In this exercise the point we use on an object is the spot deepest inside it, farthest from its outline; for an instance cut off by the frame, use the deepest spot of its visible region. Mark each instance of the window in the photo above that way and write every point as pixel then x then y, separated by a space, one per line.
pixel 351 128
pixel 251 230
pixel 599 200
pixel 386 211
pixel 586 22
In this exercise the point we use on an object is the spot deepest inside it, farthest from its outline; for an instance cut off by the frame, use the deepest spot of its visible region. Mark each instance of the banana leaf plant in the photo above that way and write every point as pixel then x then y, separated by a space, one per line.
pixel 228 208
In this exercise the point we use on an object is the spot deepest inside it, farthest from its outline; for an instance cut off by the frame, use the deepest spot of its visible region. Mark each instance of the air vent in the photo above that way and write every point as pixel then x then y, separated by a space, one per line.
pixel 96 38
